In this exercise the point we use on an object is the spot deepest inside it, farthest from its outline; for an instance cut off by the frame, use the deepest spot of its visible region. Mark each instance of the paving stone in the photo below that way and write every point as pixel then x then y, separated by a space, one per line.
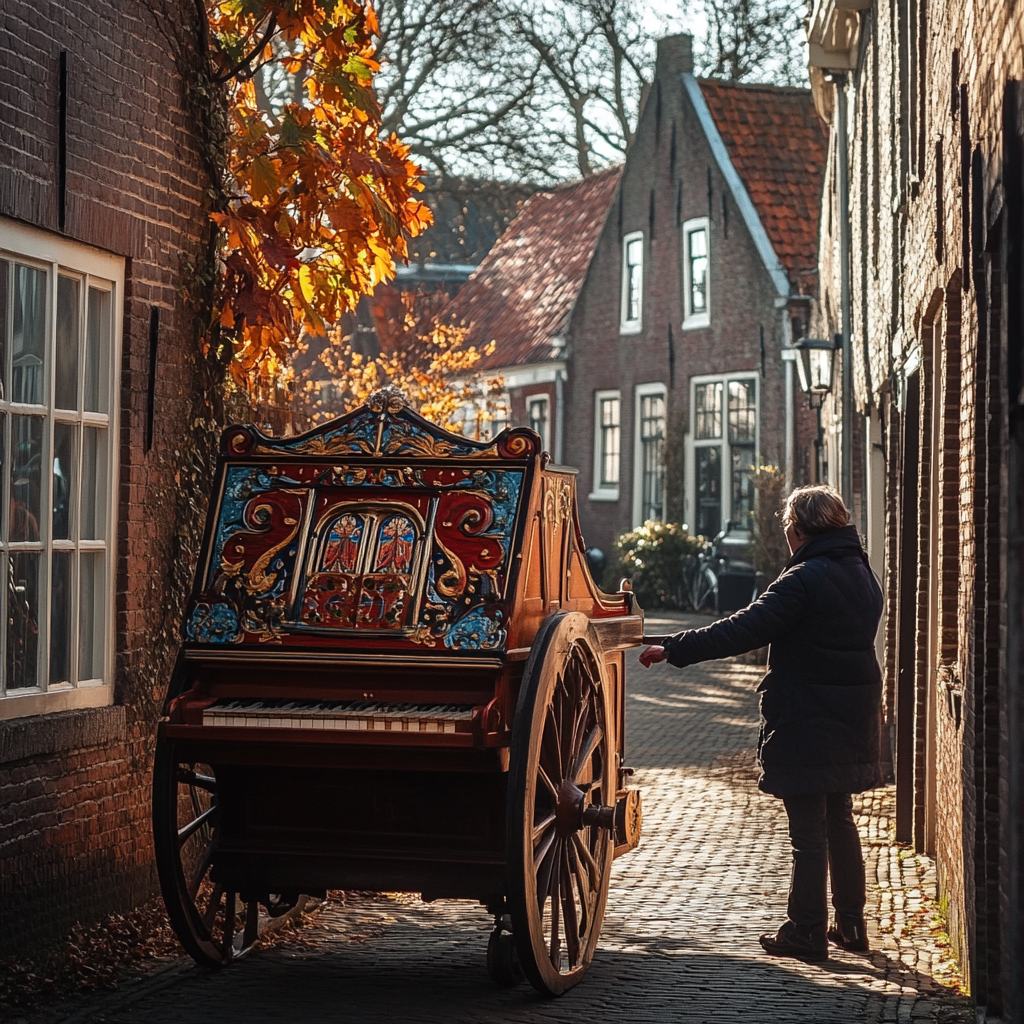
pixel 680 937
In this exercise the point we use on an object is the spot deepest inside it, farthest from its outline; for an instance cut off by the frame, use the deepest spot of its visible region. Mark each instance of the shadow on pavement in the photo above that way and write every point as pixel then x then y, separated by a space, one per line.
pixel 430 982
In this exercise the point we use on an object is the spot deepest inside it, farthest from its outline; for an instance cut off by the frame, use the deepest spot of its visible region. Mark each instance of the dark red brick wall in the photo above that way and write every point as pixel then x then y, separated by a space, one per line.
pixel 943 153
pixel 74 824
pixel 742 299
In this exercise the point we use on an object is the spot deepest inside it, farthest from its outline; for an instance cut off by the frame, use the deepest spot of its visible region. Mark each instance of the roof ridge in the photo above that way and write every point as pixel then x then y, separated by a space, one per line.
pixel 723 83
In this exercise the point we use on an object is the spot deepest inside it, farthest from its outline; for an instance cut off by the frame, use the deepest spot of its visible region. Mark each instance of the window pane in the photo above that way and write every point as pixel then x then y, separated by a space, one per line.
pixel 23 619
pixel 652 440
pixel 94 483
pixel 60 617
pixel 5 287
pixel 743 486
pixel 538 413
pixel 708 411
pixel 91 614
pixel 97 349
pixel 610 440
pixel 63 479
pixel 742 411
pixel 26 463
pixel 66 363
pixel 698 256
pixel 28 348
pixel 634 278
pixel 709 490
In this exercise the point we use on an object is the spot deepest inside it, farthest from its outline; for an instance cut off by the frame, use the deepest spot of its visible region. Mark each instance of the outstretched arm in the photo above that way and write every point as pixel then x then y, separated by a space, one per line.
pixel 777 611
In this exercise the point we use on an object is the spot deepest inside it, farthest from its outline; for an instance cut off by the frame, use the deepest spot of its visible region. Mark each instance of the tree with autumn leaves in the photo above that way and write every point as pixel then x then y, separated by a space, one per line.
pixel 314 202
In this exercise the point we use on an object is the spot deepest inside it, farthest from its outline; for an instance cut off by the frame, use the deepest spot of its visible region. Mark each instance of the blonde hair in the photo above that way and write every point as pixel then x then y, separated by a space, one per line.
pixel 814 509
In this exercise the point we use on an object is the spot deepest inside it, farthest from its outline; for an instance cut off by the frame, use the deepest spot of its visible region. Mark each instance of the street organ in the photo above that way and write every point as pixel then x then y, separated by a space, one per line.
pixel 397 674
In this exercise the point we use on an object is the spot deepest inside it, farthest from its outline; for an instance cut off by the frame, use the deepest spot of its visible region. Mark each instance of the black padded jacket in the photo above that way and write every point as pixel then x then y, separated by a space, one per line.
pixel 821 699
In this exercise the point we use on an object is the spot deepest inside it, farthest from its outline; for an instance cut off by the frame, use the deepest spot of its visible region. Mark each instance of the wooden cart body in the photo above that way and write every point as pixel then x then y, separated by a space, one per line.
pixel 401 573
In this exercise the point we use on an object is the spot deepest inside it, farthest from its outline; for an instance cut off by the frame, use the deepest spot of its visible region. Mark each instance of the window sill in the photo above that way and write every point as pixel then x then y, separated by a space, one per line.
pixel 40 735
pixel 696 322
pixel 606 495
pixel 633 327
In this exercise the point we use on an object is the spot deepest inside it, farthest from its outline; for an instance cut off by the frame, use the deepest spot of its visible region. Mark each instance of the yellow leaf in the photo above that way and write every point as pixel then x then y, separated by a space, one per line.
pixel 263 180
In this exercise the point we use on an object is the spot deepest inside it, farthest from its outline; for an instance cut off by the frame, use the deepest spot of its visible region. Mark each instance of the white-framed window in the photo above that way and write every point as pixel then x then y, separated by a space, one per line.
pixel 60 339
pixel 724 426
pixel 696 273
pixel 607 445
pixel 649 454
pixel 537 416
pixel 632 282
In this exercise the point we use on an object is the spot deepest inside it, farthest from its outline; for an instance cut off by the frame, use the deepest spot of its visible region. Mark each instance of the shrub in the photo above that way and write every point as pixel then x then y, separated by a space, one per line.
pixel 652 556
pixel 770 550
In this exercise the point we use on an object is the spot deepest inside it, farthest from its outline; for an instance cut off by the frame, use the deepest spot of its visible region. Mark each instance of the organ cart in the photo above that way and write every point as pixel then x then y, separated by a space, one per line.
pixel 397 675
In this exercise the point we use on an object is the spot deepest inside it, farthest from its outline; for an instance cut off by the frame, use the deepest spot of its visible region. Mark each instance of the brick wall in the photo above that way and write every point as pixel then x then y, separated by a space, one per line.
pixel 74 831
pixel 929 239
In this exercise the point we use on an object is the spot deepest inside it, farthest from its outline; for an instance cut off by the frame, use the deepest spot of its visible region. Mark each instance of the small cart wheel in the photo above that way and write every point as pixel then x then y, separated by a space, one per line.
pixel 503 959
pixel 214 925
pixel 561 800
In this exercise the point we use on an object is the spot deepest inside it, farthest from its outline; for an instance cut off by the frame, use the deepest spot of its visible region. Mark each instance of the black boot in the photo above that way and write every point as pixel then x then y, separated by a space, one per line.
pixel 849 932
pixel 787 941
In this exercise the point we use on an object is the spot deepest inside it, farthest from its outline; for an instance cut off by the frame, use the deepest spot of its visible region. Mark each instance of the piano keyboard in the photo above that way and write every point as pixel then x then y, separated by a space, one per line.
pixel 281 713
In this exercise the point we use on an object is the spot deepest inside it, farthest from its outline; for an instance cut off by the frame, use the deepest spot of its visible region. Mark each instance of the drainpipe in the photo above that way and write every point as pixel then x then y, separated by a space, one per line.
pixel 788 355
pixel 559 414
pixel 846 406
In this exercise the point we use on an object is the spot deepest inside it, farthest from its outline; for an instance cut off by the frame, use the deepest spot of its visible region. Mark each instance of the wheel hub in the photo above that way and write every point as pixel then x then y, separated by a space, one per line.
pixel 573 813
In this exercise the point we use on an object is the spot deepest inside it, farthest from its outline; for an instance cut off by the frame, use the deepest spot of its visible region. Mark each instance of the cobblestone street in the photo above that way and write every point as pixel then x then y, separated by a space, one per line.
pixel 680 937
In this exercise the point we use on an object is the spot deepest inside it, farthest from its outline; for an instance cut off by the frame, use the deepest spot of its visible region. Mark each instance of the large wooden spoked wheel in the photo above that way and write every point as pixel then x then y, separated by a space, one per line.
pixel 213 924
pixel 561 798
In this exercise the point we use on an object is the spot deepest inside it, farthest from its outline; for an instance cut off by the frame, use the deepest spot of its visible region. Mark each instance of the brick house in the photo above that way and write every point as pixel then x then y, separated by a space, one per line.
pixel 924 232
pixel 101 213
pixel 642 317
pixel 521 299
pixel 679 376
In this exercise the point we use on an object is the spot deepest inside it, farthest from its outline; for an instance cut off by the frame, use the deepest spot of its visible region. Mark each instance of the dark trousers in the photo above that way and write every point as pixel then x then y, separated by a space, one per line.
pixel 825 844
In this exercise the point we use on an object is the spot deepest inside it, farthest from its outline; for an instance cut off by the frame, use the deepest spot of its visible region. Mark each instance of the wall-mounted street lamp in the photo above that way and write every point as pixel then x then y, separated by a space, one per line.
pixel 815 364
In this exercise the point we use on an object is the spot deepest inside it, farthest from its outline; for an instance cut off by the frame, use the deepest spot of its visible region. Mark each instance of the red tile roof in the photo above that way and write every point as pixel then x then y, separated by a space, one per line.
pixel 522 294
pixel 778 146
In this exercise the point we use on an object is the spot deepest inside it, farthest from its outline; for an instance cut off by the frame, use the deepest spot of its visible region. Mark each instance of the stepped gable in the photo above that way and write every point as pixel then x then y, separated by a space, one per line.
pixel 522 294
pixel 779 147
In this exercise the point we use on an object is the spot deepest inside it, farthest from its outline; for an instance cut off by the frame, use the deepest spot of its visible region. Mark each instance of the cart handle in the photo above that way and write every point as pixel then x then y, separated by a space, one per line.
pixel 655 641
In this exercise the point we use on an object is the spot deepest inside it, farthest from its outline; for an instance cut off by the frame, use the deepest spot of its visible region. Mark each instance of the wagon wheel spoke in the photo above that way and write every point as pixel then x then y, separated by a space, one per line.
pixel 542 826
pixel 572 924
pixel 583 891
pixel 196 824
pixel 550 752
pixel 555 947
pixel 583 716
pixel 548 784
pixel 544 859
pixel 189 777
pixel 584 854
pixel 199 873
pixel 593 738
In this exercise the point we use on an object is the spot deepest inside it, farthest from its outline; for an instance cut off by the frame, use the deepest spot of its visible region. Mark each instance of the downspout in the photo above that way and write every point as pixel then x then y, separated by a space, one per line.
pixel 559 414
pixel 787 357
pixel 846 405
